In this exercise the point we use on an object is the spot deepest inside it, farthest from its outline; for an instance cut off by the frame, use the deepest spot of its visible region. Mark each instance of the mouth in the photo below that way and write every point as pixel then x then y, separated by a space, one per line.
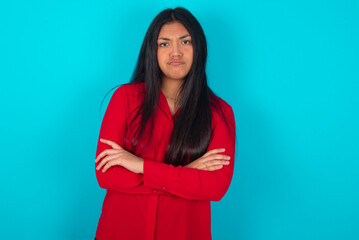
pixel 175 62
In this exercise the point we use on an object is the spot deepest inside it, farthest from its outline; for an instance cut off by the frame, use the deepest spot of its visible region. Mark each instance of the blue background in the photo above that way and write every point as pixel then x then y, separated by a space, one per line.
pixel 289 69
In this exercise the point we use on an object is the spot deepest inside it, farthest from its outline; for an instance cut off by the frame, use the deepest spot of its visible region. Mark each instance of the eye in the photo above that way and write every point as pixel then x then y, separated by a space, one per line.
pixel 186 42
pixel 163 44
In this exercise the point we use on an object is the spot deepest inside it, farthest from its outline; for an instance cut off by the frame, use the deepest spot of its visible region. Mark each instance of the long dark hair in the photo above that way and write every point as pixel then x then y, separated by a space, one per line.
pixel 192 126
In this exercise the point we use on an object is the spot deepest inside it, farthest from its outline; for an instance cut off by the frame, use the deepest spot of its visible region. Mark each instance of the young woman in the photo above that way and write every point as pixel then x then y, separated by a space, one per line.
pixel 167 142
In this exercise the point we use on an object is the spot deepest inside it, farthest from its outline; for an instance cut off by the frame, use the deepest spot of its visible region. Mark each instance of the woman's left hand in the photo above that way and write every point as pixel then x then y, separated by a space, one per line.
pixel 118 156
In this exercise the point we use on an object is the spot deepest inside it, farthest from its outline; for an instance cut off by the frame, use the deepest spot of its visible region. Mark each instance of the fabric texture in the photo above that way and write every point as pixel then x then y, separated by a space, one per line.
pixel 166 201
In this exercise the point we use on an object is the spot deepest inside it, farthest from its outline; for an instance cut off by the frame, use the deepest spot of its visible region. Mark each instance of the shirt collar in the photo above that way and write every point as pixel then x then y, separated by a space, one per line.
pixel 165 107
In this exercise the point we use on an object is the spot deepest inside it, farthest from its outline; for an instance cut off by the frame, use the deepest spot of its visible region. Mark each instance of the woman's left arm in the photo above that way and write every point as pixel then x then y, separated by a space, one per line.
pixel 192 183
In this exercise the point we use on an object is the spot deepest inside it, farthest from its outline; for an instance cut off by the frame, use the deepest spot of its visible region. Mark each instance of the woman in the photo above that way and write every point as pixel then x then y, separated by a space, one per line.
pixel 167 142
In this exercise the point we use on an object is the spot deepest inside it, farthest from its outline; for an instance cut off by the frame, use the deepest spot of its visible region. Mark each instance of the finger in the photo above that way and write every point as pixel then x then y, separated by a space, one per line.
pixel 213 151
pixel 111 143
pixel 216 157
pixel 108 165
pixel 103 162
pixel 217 162
pixel 221 156
pixel 104 153
pixel 213 164
pixel 110 157
pixel 213 168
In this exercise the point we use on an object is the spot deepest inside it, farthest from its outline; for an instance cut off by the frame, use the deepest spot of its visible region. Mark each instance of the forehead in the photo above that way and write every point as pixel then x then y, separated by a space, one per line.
pixel 173 30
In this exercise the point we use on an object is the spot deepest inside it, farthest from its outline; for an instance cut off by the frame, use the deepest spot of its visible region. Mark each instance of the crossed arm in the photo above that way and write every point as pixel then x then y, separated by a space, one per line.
pixel 210 161
pixel 206 178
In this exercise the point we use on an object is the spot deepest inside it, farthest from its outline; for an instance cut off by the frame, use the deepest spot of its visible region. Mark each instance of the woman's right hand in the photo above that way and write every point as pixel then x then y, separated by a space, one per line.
pixel 210 161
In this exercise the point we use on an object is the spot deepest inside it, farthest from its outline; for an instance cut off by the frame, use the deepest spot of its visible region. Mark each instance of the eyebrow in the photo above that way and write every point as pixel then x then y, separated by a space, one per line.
pixel 167 39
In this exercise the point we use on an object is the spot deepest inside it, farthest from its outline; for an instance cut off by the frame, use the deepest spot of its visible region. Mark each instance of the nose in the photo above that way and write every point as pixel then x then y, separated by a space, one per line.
pixel 176 50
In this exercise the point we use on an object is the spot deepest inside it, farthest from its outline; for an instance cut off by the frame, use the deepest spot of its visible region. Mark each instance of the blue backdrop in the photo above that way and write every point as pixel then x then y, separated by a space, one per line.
pixel 289 69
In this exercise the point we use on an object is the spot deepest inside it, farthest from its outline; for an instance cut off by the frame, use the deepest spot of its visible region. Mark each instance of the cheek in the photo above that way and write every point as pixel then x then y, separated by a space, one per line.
pixel 190 54
pixel 161 61
pixel 190 58
pixel 160 57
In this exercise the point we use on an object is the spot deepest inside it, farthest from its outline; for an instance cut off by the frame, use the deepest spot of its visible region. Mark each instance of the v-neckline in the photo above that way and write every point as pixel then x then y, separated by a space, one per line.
pixel 166 107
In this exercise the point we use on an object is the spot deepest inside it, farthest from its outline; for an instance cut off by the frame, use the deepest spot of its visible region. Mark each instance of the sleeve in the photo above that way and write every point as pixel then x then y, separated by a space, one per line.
pixel 191 183
pixel 113 127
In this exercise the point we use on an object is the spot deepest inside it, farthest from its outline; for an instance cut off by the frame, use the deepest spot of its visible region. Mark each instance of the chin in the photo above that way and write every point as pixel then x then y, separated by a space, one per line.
pixel 178 78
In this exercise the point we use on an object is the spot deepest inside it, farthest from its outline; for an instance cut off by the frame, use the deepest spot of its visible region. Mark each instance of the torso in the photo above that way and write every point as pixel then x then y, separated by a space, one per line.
pixel 135 210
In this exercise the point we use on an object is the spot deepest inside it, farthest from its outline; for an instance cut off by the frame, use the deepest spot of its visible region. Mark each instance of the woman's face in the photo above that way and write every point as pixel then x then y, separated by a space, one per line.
pixel 174 51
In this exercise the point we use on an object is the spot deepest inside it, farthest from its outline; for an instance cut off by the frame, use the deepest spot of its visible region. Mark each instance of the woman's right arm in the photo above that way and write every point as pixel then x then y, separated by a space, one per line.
pixel 113 127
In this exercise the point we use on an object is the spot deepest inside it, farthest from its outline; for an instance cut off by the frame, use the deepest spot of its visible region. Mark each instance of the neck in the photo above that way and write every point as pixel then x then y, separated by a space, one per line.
pixel 170 87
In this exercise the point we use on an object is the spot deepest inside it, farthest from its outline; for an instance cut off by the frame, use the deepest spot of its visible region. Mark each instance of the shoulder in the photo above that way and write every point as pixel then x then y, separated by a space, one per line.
pixel 220 108
pixel 131 89
pixel 129 94
pixel 223 116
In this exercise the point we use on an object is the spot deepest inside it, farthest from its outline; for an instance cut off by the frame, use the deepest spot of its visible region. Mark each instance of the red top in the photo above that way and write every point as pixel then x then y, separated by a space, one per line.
pixel 165 202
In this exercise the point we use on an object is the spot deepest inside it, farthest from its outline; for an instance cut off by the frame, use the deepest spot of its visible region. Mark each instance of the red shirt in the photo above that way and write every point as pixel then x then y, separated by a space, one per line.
pixel 165 202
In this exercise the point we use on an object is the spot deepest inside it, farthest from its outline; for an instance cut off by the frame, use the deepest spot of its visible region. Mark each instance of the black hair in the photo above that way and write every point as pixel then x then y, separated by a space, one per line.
pixel 192 126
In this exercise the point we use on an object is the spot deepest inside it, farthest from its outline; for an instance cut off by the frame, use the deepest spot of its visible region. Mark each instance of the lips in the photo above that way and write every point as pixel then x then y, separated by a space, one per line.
pixel 175 62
